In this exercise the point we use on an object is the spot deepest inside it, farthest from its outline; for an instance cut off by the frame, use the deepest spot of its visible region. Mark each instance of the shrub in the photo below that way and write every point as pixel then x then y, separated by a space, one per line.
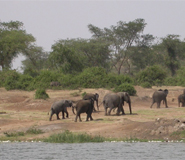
pixel 126 87
pixel 11 80
pixel 44 79
pixel 41 94
pixel 153 74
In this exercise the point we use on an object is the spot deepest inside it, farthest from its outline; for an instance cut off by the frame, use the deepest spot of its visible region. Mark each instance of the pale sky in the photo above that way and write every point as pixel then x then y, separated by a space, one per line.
pixel 49 21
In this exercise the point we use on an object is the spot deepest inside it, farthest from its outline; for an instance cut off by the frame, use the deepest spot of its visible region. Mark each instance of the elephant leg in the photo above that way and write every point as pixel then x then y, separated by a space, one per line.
pixel 165 103
pixel 158 104
pixel 152 104
pixel 122 110
pixel 57 116
pixel 51 115
pixel 105 111
pixel 80 118
pixel 87 118
pixel 91 117
pixel 67 114
pixel 63 115
pixel 76 118
pixel 109 111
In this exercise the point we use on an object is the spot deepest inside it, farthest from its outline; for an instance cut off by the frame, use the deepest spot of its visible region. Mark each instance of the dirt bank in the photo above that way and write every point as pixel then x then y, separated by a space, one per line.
pixel 19 111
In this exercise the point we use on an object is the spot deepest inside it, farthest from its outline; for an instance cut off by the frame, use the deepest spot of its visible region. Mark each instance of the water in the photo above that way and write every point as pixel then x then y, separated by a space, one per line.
pixel 92 151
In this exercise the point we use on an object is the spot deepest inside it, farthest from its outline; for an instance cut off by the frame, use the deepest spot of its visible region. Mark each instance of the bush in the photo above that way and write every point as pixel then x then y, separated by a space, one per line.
pixel 154 75
pixel 41 94
pixel 126 87
pixel 11 80
pixel 146 85
pixel 44 79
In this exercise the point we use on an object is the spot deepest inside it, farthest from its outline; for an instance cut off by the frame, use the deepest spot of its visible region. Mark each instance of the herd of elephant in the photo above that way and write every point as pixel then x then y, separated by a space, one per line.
pixel 110 100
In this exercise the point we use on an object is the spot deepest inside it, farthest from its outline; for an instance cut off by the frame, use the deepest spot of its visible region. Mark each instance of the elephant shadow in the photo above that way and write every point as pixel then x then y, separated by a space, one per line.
pixel 99 119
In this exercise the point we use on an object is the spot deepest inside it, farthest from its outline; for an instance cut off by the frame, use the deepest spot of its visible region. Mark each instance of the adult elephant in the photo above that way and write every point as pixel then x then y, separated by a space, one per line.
pixel 125 97
pixel 84 106
pixel 60 106
pixel 111 101
pixel 95 98
pixel 181 99
pixel 159 96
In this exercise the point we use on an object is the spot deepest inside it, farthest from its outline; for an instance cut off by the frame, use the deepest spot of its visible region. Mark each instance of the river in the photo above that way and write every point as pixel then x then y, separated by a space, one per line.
pixel 92 151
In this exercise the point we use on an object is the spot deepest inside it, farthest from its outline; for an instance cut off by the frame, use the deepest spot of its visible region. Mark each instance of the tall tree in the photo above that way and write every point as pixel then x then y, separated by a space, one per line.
pixel 36 58
pixel 121 38
pixel 172 46
pixel 77 54
pixel 13 40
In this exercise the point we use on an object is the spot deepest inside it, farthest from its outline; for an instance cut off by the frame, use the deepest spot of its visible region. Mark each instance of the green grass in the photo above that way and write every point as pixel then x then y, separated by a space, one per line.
pixel 69 137
pixel 17 136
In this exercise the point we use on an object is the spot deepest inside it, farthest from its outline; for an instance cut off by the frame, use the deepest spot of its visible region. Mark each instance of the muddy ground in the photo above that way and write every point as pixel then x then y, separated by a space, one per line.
pixel 19 111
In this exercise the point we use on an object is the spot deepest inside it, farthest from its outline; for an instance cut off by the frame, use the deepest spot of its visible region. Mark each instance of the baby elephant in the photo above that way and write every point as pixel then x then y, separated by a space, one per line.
pixel 60 106
pixel 84 106
pixel 181 99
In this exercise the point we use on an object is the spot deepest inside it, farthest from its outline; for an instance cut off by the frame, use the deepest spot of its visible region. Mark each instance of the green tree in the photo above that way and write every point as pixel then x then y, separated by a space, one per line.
pixel 76 54
pixel 36 59
pixel 13 40
pixel 121 39
pixel 172 46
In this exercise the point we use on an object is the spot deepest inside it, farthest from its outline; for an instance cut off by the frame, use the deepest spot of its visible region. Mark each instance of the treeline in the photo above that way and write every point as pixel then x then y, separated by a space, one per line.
pixel 112 56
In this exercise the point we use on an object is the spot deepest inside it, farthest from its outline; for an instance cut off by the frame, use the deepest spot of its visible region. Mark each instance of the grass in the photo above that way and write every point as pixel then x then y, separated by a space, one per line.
pixel 17 136
pixel 69 137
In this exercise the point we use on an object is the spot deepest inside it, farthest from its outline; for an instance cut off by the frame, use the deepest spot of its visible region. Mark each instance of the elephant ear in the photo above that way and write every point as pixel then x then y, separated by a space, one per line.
pixel 127 96
pixel 166 91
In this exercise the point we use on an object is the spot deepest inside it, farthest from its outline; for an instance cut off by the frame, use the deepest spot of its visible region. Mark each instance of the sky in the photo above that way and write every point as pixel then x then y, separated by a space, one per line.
pixel 51 20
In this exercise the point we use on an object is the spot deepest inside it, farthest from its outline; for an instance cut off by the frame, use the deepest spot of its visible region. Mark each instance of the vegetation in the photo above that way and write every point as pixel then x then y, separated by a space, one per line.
pixel 112 57
pixel 69 137
pixel 126 87
pixel 41 94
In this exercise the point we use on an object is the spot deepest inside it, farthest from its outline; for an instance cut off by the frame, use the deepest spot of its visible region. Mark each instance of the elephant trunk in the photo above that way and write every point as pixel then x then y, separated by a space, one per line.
pixel 97 105
pixel 129 103
pixel 73 110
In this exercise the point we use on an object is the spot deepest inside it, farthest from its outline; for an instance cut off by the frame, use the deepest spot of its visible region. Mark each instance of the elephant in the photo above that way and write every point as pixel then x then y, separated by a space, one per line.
pixel 55 84
pixel 159 96
pixel 112 100
pixel 60 106
pixel 94 96
pixel 181 99
pixel 84 106
pixel 125 97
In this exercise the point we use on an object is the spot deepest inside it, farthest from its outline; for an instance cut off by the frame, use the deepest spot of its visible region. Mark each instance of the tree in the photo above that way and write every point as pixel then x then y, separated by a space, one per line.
pixel 121 39
pixel 13 40
pixel 64 58
pixel 36 59
pixel 172 46
pixel 76 54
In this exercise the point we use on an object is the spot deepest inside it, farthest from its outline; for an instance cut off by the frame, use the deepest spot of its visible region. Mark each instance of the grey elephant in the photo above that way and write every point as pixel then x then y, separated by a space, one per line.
pixel 159 96
pixel 94 96
pixel 55 84
pixel 181 99
pixel 125 97
pixel 60 106
pixel 111 101
pixel 84 106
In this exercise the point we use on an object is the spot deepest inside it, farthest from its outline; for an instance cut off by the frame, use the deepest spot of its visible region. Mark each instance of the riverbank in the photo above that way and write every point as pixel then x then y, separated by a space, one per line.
pixel 19 112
